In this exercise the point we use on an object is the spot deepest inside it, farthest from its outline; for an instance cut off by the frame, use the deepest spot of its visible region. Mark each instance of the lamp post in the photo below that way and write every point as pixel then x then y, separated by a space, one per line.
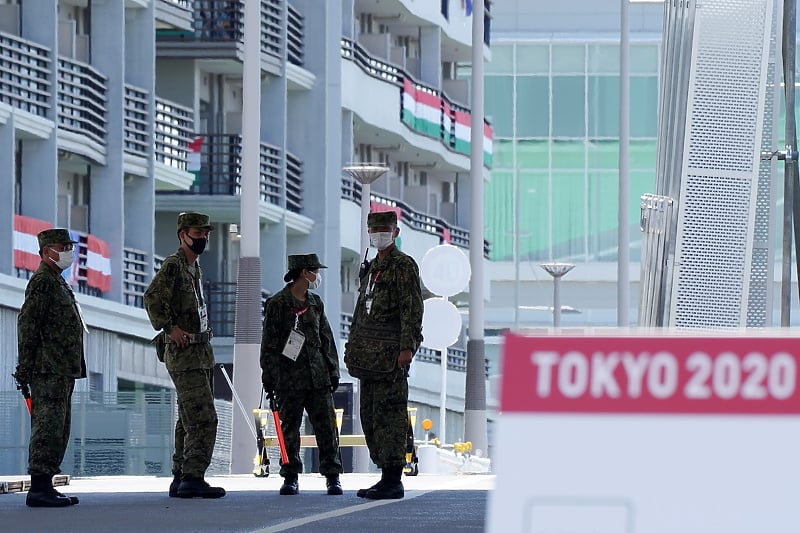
pixel 365 174
pixel 557 270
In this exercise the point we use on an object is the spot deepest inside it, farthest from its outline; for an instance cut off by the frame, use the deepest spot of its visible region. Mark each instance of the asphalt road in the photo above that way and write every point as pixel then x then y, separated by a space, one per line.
pixel 433 502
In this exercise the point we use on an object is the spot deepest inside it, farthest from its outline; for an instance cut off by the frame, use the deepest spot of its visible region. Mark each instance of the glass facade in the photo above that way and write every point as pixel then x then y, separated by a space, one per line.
pixel 554 107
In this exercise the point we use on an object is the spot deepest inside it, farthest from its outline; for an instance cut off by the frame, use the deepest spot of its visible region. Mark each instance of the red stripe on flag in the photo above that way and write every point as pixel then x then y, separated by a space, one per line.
pixel 463 118
pixel 196 145
pixel 98 264
pixel 28 228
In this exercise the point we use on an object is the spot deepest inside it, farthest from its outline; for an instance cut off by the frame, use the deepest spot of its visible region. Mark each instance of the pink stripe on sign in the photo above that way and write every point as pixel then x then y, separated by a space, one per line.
pixel 652 375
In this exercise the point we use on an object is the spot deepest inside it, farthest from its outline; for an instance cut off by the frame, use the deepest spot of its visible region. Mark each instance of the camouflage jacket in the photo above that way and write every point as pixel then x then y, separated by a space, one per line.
pixel 318 361
pixel 49 328
pixel 395 315
pixel 171 300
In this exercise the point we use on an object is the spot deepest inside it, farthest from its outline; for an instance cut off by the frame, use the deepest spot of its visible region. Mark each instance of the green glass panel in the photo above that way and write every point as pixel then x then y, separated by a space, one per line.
pixel 644 106
pixel 498 195
pixel 603 154
pixel 568 106
pixel 502 154
pixel 532 58
pixel 642 155
pixel 569 59
pixel 532 107
pixel 568 203
pixel 534 216
pixel 604 59
pixel 603 192
pixel 502 60
pixel 603 106
pixel 532 154
pixel 499 109
pixel 644 58
pixel 569 154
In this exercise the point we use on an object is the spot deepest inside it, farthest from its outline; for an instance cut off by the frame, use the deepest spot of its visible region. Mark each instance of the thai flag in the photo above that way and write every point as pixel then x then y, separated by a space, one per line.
pixel 98 264
pixel 26 244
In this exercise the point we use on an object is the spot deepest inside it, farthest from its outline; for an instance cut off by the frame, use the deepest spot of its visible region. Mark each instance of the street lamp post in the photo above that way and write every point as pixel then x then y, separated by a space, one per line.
pixel 557 270
pixel 365 174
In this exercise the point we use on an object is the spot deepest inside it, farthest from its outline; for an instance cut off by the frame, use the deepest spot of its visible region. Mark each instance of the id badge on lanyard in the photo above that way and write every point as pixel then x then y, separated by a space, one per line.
pixel 370 288
pixel 294 344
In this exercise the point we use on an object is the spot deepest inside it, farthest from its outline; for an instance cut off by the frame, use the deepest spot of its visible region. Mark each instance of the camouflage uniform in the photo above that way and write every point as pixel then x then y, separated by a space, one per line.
pixel 50 350
pixel 393 324
pixel 174 298
pixel 306 382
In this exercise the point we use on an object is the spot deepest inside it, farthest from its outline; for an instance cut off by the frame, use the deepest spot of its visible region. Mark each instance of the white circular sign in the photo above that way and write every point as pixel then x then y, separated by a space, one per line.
pixel 445 270
pixel 441 324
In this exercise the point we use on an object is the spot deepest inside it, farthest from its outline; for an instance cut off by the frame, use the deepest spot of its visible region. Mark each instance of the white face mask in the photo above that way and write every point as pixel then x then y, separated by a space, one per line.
pixel 64 259
pixel 381 240
pixel 314 285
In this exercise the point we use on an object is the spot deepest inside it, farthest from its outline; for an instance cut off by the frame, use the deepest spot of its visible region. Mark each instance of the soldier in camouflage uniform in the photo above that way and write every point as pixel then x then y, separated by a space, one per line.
pixel 384 336
pixel 299 362
pixel 175 304
pixel 50 350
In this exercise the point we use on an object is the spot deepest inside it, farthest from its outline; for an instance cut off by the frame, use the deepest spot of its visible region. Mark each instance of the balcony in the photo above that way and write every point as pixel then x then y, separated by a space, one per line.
pixel 137 112
pixel 24 75
pixel 221 170
pixel 218 30
pixel 423 109
pixel 82 102
pixel 446 232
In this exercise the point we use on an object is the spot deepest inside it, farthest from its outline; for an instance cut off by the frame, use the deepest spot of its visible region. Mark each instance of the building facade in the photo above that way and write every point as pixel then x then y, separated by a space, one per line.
pixel 117 116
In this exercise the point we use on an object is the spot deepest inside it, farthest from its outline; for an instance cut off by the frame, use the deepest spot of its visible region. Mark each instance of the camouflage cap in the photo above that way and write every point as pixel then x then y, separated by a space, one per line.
pixel 194 220
pixel 382 218
pixel 54 236
pixel 307 261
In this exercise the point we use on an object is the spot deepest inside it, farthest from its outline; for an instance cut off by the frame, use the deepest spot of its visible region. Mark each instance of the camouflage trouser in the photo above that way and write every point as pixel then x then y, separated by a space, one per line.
pixel 384 418
pixel 318 404
pixel 196 428
pixel 51 398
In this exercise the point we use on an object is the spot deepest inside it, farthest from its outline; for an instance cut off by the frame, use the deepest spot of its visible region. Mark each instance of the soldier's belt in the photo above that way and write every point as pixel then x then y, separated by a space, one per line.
pixel 197 338
pixel 388 332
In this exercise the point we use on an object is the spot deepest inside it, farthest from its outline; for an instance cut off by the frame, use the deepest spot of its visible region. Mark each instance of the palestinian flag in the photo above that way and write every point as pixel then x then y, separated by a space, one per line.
pixel 194 158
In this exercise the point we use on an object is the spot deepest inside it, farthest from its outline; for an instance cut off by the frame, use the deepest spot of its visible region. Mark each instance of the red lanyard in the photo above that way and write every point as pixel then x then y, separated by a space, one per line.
pixel 297 314
pixel 373 280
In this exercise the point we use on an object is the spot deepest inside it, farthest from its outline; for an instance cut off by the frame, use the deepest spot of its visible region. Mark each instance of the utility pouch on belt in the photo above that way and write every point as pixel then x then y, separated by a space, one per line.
pixel 160 342
pixel 372 360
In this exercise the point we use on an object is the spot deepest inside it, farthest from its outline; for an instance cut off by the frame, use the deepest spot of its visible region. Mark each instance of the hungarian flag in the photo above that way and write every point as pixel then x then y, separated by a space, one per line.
pixel 194 158
pixel 26 244
pixel 98 264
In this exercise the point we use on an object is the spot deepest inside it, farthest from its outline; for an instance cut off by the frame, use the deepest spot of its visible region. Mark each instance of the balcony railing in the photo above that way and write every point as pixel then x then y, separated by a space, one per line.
pixel 24 75
pixel 137 112
pixel 351 190
pixel 174 129
pixel 218 21
pixel 221 301
pixel 423 109
pixel 296 37
pixel 221 170
pixel 134 274
pixel 271 27
pixel 82 99
pixel 185 4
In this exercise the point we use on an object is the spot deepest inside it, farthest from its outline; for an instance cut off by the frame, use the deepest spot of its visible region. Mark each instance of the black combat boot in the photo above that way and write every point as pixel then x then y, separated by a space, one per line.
pixel 392 488
pixel 42 493
pixel 334 485
pixel 173 487
pixel 196 487
pixel 73 500
pixel 362 493
pixel 290 485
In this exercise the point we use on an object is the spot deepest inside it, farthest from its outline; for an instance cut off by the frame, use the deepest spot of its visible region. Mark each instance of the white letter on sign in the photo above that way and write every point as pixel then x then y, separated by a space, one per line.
pixel 573 375
pixel 544 361
pixel 603 381
pixel 662 377
pixel 635 368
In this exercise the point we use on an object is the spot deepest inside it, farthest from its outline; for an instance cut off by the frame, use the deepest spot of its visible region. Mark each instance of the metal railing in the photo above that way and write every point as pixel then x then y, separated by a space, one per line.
pixel 24 74
pixel 82 99
pixel 174 127
pixel 134 277
pixel 185 4
pixel 295 37
pixel 221 170
pixel 272 27
pixel 218 21
pixel 137 112
pixel 221 304
pixel 351 190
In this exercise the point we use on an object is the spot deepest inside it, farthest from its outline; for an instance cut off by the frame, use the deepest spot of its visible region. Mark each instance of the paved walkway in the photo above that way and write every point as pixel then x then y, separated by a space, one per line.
pixel 433 502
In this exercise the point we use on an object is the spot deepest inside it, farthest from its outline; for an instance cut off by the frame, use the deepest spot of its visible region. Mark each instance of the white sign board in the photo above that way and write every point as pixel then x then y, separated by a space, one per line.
pixel 648 435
